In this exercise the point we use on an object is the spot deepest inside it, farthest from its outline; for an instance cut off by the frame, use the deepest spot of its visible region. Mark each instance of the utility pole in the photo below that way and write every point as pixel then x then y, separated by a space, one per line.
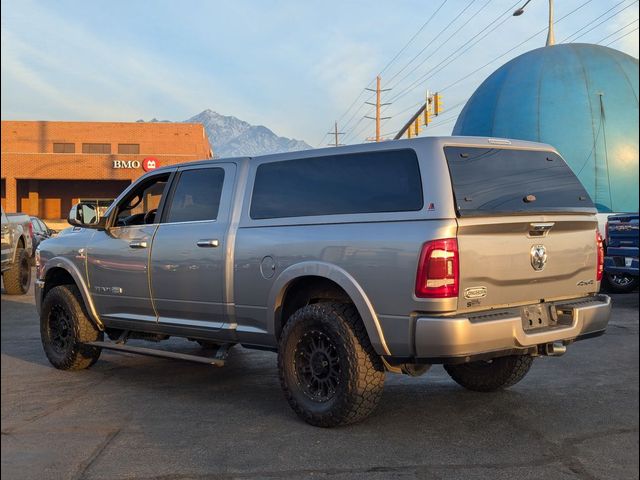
pixel 336 135
pixel 378 104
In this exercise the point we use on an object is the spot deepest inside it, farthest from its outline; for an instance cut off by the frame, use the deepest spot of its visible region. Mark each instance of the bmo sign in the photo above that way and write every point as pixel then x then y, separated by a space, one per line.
pixel 148 164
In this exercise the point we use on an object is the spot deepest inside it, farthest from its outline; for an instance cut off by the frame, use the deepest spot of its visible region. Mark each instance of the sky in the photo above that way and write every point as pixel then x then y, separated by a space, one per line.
pixel 293 66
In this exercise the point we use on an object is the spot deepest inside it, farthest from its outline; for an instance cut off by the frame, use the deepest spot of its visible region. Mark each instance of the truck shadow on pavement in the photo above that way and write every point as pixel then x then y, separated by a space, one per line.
pixel 561 417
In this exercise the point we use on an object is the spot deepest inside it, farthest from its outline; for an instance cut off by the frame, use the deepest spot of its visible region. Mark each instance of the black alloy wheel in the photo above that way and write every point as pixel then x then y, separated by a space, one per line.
pixel 317 366
pixel 60 329
pixel 25 273
pixel 65 329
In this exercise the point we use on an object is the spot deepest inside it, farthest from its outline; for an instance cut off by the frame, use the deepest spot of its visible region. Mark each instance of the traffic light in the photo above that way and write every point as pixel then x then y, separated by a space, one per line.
pixel 416 125
pixel 427 115
pixel 437 104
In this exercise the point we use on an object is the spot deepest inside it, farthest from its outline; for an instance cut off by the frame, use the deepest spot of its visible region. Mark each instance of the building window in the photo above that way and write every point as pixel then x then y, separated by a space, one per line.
pixel 129 148
pixel 64 148
pixel 96 148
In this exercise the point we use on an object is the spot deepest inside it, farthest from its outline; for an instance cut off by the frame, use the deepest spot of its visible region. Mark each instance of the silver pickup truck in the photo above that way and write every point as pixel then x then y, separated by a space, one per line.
pixel 476 253
pixel 17 252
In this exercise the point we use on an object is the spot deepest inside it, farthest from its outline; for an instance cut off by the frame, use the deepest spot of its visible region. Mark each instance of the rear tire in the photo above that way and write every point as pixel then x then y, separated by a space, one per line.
pixel 64 329
pixel 17 279
pixel 491 375
pixel 618 283
pixel 328 369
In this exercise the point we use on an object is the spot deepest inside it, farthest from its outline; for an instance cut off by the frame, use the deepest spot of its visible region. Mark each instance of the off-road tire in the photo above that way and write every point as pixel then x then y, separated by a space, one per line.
pixel 17 279
pixel 359 371
pixel 489 376
pixel 620 283
pixel 64 327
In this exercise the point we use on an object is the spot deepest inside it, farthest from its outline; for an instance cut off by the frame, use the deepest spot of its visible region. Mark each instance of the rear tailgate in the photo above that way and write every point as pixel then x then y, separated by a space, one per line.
pixel 497 258
pixel 526 228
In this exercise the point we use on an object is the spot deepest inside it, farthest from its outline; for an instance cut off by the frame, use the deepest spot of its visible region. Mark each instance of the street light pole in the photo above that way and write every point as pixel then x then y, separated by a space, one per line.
pixel 551 40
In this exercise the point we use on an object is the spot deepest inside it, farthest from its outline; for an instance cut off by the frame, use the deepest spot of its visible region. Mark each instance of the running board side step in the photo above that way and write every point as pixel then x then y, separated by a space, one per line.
pixel 152 352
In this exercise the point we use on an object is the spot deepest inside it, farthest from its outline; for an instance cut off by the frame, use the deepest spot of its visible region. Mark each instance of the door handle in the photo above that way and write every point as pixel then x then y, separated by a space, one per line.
pixel 208 243
pixel 138 244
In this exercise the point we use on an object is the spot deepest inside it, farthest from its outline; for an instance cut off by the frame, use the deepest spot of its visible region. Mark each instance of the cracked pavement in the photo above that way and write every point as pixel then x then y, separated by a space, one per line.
pixel 133 417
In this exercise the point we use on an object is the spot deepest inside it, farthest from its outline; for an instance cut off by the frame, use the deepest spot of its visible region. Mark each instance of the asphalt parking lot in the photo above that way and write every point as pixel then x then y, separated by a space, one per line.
pixel 141 417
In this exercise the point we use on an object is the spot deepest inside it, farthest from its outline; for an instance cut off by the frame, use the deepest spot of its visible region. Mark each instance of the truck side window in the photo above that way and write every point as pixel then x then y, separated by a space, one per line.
pixel 197 196
pixel 370 182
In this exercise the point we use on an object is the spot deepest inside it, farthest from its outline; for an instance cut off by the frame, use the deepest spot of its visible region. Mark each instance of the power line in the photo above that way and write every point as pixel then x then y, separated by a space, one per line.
pixel 600 23
pixel 513 48
pixel 396 56
pixel 621 37
pixel 464 77
pixel 427 75
pixel 413 37
pixel 428 45
pixel 346 125
pixel 568 39
pixel 456 54
pixel 617 31
pixel 439 124
pixel 466 43
pixel 442 44
pixel 600 41
pixel 352 130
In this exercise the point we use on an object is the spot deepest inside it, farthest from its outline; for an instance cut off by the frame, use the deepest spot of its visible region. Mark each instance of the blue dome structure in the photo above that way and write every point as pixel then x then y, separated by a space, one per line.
pixel 580 98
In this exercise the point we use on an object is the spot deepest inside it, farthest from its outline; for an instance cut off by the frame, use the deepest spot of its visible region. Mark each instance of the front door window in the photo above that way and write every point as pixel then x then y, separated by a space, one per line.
pixel 141 205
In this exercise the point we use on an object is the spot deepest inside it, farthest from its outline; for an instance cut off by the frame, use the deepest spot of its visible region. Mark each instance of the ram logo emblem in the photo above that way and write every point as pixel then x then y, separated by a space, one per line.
pixel 538 257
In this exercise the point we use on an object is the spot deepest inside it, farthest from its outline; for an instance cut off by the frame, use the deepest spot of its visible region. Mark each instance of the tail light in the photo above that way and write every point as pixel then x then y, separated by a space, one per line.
pixel 31 229
pixel 600 264
pixel 438 269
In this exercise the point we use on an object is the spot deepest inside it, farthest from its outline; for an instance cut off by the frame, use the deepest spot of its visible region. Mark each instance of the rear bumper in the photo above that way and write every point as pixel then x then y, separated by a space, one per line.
pixel 617 263
pixel 494 333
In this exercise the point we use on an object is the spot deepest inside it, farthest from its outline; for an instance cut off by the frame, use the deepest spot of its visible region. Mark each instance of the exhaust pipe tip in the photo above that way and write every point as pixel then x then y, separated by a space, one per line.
pixel 555 349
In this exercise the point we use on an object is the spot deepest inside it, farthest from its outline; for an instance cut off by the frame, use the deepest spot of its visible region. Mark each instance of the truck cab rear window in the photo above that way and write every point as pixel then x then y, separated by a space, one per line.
pixel 494 181
pixel 387 181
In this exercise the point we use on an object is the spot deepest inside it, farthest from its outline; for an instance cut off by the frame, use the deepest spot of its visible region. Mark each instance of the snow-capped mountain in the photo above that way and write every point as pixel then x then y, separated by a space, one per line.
pixel 232 137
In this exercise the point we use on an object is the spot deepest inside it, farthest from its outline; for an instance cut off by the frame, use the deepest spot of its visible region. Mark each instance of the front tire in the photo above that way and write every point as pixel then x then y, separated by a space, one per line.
pixel 64 329
pixel 17 279
pixel 328 369
pixel 491 375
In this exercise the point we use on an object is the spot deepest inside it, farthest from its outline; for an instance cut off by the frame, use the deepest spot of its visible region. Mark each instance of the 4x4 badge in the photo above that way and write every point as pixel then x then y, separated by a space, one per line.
pixel 538 257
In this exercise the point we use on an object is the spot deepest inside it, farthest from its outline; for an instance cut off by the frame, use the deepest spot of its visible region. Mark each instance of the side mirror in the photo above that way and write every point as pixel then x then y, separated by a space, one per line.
pixel 84 215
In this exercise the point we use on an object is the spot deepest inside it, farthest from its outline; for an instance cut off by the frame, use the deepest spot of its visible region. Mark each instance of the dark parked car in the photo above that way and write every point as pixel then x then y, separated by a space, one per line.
pixel 40 231
pixel 621 260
